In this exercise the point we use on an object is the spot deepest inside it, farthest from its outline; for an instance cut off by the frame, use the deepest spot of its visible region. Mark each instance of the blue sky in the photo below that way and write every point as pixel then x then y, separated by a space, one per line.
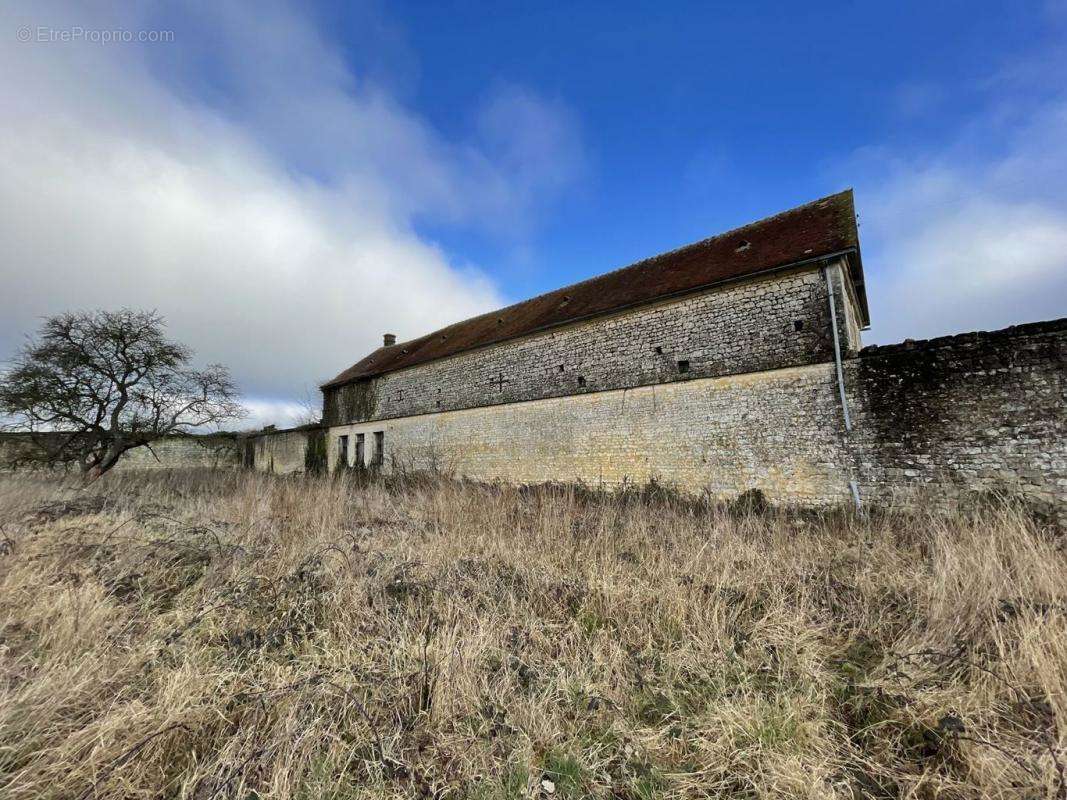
pixel 286 181
pixel 711 115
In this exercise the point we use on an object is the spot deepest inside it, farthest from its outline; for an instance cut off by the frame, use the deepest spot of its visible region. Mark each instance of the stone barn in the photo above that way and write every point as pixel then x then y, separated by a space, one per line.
pixel 731 364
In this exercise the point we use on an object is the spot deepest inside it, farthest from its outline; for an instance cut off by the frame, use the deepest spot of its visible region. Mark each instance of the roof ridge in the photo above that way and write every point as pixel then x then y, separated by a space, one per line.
pixel 602 275
pixel 820 227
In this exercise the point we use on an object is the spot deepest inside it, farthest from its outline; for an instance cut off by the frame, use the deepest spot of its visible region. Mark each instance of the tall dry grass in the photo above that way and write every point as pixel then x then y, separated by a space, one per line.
pixel 224 635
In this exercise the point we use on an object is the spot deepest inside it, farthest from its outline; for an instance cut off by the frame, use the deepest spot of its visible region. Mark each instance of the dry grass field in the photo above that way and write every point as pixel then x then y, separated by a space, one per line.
pixel 228 635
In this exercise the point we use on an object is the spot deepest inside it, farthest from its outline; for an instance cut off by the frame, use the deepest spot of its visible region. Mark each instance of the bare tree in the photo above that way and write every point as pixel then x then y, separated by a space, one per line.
pixel 94 385
pixel 310 409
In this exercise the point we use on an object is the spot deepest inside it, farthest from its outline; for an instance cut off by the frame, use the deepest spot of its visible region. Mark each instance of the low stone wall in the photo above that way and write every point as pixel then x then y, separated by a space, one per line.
pixel 171 452
pixel 280 452
pixel 286 451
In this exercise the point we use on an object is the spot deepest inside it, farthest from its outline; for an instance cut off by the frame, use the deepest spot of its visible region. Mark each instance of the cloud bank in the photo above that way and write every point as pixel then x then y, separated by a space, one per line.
pixel 972 234
pixel 246 182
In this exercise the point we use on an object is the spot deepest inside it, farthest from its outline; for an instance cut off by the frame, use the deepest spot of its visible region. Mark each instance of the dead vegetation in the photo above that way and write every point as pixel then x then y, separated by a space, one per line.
pixel 227 635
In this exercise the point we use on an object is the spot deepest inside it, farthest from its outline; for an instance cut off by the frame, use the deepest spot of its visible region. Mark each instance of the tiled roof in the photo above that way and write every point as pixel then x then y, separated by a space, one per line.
pixel 820 228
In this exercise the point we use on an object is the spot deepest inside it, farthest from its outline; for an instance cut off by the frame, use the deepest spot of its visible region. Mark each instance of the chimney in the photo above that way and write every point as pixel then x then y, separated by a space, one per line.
pixel 389 339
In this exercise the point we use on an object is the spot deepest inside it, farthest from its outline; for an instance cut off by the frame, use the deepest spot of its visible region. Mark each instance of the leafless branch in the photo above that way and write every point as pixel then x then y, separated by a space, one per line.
pixel 94 385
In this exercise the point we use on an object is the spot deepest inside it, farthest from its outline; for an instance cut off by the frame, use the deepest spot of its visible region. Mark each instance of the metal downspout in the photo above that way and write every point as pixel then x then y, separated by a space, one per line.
pixel 852 485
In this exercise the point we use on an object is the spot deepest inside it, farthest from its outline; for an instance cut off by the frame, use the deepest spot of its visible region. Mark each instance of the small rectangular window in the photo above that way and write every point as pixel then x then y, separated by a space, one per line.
pixel 379 448
pixel 798 325
pixel 581 380
pixel 342 450
pixel 360 448
pixel 683 366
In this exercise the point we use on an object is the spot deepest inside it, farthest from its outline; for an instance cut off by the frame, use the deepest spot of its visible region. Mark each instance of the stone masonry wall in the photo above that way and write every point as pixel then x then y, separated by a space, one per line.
pixel 964 414
pixel 936 420
pixel 172 452
pixel 186 451
pixel 775 321
pixel 282 452
pixel 777 431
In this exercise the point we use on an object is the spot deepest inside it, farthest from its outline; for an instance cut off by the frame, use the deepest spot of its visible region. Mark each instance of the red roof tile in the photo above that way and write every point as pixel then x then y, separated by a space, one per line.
pixel 820 228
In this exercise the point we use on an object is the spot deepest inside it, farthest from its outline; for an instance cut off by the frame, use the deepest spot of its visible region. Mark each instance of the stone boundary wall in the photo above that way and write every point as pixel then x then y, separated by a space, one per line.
pixel 936 421
pixel 769 322
pixel 285 452
pixel 278 451
pixel 977 412
pixel 171 452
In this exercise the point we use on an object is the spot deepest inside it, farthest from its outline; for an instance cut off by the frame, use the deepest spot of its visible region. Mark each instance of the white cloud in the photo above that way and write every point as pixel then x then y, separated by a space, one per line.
pixel 972 235
pixel 247 185
pixel 282 413
pixel 535 143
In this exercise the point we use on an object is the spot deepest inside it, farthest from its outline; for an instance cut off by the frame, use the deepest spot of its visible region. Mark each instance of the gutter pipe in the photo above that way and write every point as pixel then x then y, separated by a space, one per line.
pixel 852 485
pixel 837 349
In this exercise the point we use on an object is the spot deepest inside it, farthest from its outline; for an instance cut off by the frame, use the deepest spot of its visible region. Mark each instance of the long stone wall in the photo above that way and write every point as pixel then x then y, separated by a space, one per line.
pixel 771 322
pixel 778 431
pixel 171 452
pixel 942 419
pixel 280 452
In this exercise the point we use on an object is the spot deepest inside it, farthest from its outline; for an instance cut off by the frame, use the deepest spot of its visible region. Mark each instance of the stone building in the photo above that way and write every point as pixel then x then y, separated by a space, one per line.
pixel 732 364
